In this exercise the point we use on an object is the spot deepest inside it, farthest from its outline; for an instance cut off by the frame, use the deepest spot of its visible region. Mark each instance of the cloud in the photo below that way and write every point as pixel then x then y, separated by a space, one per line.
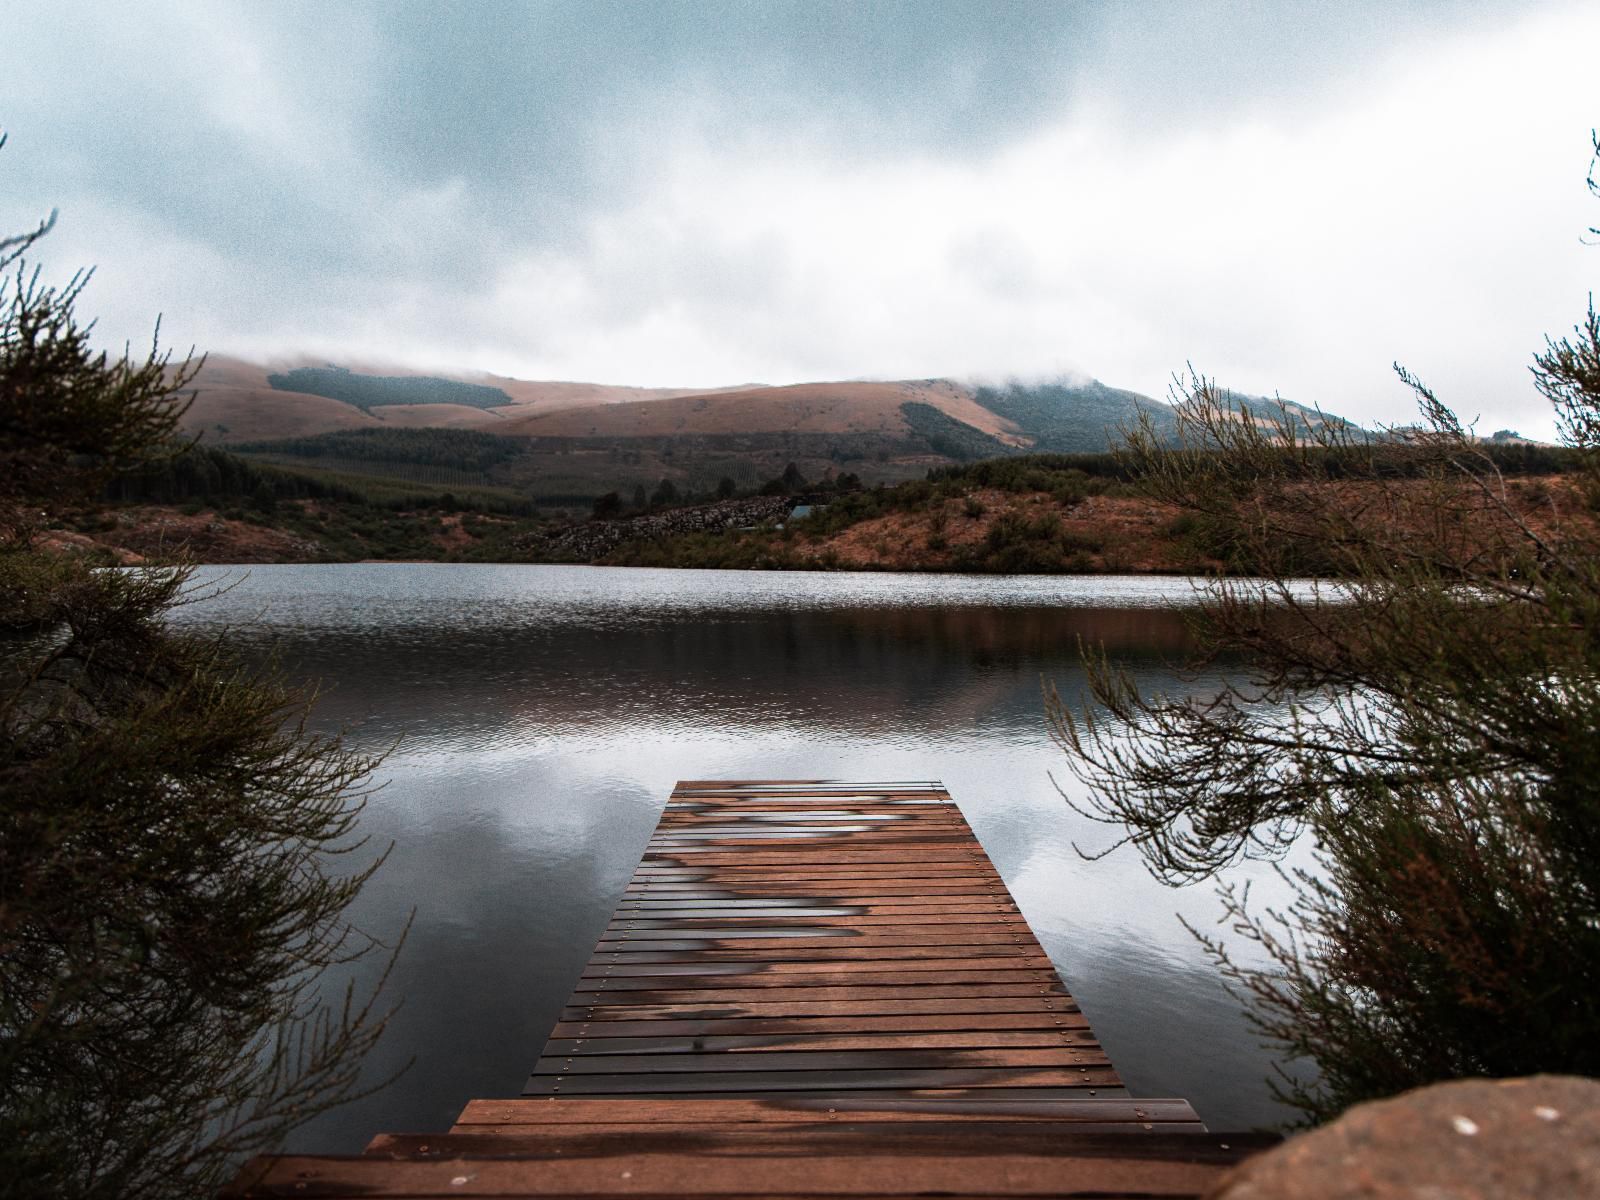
pixel 1428 212
pixel 1288 198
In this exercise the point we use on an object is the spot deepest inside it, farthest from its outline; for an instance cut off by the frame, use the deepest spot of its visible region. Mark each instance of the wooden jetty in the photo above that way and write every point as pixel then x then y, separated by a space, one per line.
pixel 809 988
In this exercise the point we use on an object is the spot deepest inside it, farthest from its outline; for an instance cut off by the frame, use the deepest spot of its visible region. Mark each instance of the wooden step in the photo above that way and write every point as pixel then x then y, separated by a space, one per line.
pixel 954 1137
pixel 712 1163
pixel 485 1116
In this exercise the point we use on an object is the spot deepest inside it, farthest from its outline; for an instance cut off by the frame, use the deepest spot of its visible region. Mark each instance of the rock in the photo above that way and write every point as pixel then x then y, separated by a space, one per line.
pixel 589 540
pixel 62 541
pixel 1470 1139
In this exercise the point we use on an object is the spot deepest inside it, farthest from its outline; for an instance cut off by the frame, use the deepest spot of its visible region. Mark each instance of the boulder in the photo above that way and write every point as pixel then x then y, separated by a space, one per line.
pixel 1470 1139
pixel 586 541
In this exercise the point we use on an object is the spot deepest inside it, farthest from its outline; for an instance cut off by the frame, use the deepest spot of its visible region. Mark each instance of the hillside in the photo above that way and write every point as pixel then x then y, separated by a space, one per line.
pixel 1070 418
pixel 836 408
pixel 1028 513
pixel 236 401
pixel 564 443
pixel 231 401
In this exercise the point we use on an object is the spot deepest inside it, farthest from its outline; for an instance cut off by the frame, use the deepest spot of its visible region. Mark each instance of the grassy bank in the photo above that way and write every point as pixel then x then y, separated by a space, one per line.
pixel 1038 514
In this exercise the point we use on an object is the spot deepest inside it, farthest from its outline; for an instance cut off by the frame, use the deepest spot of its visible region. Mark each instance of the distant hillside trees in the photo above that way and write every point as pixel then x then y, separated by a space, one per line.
pixel 461 459
pixel 1032 472
pixel 373 391
pixel 786 484
pixel 205 473
pixel 947 436
pixel 1074 418
pixel 461 449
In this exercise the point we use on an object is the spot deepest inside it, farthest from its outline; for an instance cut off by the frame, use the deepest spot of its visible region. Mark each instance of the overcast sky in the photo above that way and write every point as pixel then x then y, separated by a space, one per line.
pixel 1288 196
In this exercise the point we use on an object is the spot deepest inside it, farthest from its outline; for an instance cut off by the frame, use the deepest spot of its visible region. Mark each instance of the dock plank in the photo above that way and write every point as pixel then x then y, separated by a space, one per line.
pixel 1126 1172
pixel 817 937
pixel 808 1109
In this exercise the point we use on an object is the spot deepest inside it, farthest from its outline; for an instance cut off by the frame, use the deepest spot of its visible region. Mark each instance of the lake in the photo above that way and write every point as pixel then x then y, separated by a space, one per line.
pixel 539 715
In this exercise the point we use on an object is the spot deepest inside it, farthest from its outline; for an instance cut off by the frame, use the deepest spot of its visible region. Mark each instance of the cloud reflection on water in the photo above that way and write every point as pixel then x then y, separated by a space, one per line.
pixel 544 713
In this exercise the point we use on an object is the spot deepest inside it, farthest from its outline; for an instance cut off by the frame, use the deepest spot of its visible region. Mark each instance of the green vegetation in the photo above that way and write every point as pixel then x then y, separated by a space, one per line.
pixel 1072 418
pixel 408 467
pixel 1037 542
pixel 411 487
pixel 172 842
pixel 1069 478
pixel 335 517
pixel 947 436
pixel 1426 730
pixel 373 391
pixel 464 450
pixel 1091 418
pixel 181 473
pixel 1017 545
pixel 516 475
pixel 390 493
pixel 1034 472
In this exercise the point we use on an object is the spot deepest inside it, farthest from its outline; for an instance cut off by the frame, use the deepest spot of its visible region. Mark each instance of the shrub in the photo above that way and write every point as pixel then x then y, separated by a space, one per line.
pixel 1429 728
pixel 170 836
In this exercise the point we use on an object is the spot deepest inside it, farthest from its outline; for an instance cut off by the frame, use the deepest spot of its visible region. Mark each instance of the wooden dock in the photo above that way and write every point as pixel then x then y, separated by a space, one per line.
pixel 783 938
pixel 808 988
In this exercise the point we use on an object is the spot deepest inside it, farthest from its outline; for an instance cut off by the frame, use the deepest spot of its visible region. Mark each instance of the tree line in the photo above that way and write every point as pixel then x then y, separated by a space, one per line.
pixel 460 449
pixel 373 391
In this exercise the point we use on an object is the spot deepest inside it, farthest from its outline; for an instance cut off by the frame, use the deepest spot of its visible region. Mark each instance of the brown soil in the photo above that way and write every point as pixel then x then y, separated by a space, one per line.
pixel 452 535
pixel 550 395
pixel 221 415
pixel 801 408
pixel 235 403
pixel 1116 534
pixel 162 534
pixel 66 542
pixel 1104 533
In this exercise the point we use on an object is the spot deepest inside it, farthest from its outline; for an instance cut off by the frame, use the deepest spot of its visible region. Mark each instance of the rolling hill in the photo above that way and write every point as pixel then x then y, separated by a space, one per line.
pixel 824 408
pixel 237 401
pixel 565 442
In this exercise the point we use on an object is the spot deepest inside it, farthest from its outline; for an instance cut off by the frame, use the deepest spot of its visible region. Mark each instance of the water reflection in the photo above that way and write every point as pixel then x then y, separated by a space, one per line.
pixel 934 672
pixel 542 715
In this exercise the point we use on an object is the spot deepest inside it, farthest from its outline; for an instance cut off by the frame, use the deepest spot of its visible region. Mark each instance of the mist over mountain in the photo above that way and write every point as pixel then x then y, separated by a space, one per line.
pixel 564 441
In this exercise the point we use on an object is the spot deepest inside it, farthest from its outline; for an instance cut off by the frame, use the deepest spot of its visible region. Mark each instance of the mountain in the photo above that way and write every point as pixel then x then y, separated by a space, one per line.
pixel 236 401
pixel 564 442
pixel 817 408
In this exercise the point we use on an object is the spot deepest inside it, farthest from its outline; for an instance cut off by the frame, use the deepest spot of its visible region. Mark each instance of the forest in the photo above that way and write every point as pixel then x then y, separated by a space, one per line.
pixel 372 391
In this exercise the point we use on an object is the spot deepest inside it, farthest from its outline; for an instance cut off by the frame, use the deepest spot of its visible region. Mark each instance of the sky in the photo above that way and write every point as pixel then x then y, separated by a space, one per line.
pixel 1289 197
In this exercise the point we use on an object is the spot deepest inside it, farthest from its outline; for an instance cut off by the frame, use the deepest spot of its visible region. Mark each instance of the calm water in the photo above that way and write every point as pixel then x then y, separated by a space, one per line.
pixel 541 715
